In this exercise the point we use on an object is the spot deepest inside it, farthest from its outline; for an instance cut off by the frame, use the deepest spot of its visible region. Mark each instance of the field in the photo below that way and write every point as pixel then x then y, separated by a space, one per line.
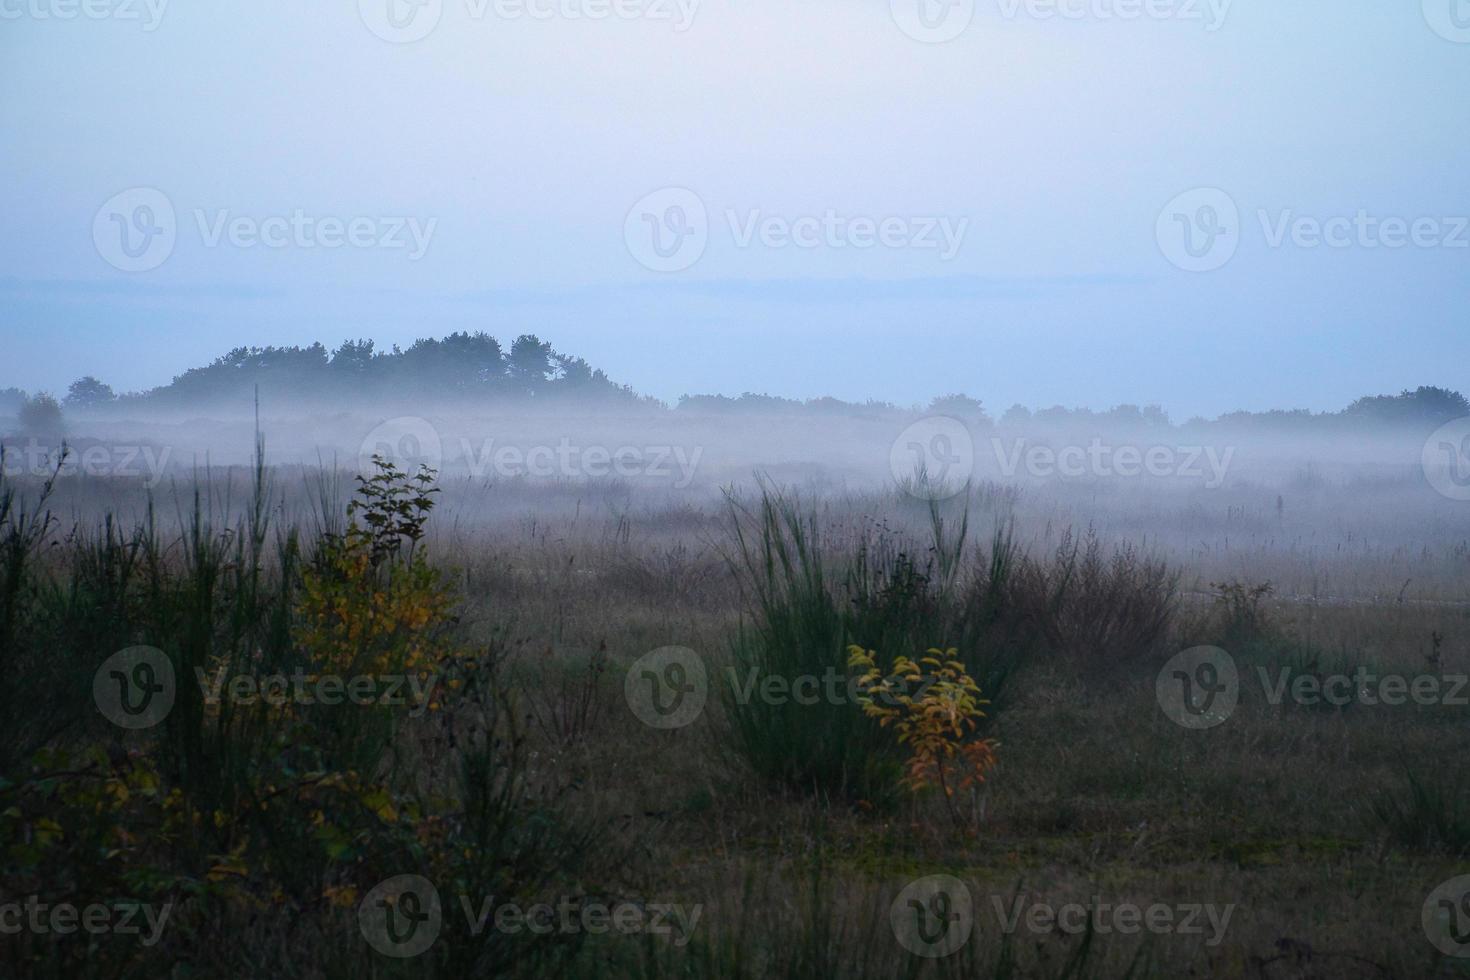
pixel 633 738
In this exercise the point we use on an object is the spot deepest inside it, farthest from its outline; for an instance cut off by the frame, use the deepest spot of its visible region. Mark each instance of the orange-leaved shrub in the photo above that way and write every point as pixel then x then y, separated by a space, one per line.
pixel 933 706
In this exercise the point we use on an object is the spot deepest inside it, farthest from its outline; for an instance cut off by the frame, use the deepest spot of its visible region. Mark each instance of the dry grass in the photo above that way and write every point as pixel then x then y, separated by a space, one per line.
pixel 1306 820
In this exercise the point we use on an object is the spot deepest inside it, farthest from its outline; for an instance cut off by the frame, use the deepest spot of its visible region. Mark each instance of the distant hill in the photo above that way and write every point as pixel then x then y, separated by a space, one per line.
pixel 462 367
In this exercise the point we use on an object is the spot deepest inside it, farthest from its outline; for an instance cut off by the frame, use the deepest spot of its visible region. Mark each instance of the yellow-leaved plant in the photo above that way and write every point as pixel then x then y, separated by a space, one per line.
pixel 372 606
pixel 372 603
pixel 934 707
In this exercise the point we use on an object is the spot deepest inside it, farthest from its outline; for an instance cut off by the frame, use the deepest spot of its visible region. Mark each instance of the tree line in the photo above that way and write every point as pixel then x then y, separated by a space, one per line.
pixel 460 367
pixel 465 368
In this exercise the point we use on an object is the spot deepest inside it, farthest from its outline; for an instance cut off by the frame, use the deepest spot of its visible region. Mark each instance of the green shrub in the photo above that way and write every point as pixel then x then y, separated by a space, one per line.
pixel 806 606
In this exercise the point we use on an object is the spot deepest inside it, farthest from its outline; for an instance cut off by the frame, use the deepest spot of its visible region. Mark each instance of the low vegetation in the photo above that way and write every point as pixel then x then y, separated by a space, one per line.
pixel 992 716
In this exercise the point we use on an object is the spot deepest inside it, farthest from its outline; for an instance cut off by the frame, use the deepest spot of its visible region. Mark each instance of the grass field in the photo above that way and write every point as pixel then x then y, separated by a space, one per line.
pixel 606 762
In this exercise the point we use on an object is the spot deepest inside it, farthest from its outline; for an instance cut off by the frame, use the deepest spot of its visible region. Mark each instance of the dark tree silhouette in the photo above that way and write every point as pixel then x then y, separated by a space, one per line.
pixel 1425 405
pixel 530 362
pixel 961 406
pixel 41 416
pixel 353 360
pixel 88 392
pixel 462 367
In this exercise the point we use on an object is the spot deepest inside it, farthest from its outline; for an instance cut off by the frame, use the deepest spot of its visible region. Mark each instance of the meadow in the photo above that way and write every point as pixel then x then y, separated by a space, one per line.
pixel 625 728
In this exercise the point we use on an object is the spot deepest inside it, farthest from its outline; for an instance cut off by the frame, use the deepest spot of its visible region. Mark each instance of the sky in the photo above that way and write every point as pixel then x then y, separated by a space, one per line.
pixel 1204 204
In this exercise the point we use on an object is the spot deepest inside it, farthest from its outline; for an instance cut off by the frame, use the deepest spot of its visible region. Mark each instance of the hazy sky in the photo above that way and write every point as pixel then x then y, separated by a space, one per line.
pixel 802 197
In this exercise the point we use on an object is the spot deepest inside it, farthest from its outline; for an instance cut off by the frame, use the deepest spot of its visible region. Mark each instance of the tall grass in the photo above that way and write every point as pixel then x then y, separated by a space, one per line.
pixel 806 605
pixel 1098 608
pixel 1429 812
pixel 897 594
pixel 799 628
pixel 28 688
pixel 231 806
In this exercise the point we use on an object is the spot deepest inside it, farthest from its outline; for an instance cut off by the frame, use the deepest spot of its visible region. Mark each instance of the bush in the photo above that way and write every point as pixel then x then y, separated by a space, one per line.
pixel 934 708
pixel 1094 607
pixel 1238 617
pixel 891 596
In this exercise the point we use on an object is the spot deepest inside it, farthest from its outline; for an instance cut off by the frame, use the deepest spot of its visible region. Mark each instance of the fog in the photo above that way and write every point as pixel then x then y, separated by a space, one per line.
pixel 1321 506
